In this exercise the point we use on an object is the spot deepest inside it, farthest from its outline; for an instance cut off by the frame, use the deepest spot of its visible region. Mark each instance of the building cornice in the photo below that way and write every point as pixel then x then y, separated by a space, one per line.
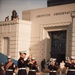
pixel 4 23
pixel 56 24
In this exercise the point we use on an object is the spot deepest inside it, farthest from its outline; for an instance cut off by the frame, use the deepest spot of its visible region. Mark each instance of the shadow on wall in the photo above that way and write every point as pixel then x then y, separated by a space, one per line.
pixel 3 59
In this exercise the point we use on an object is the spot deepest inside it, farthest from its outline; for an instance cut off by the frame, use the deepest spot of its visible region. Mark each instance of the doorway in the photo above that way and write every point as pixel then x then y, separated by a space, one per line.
pixel 58 45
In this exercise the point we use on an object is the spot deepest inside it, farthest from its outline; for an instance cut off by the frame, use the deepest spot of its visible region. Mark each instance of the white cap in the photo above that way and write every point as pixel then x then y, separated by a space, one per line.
pixel 54 59
pixel 51 59
pixel 72 57
pixel 33 58
pixel 9 57
pixel 23 52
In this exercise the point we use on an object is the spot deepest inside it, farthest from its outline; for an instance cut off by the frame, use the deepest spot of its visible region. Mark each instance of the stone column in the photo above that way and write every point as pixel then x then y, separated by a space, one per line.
pixel 73 35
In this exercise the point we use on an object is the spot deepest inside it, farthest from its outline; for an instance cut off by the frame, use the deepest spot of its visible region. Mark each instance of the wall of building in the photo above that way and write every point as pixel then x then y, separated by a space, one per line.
pixel 18 33
pixel 8 30
pixel 24 31
pixel 54 18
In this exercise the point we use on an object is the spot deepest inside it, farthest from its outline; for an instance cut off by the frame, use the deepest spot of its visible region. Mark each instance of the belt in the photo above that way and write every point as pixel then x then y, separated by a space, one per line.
pixel 32 70
pixel 22 68
pixel 71 70
pixel 52 71
pixel 9 70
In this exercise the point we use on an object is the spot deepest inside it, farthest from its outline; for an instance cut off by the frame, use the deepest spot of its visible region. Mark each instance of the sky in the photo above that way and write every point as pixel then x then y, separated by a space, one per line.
pixel 6 7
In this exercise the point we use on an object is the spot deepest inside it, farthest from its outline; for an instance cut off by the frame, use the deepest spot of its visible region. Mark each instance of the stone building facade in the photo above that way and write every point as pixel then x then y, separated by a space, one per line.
pixel 35 31
pixel 45 21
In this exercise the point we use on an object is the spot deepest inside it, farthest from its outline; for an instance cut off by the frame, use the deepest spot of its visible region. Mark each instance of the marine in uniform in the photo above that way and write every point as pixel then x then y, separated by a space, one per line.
pixel 71 67
pixel 33 67
pixel 53 68
pixel 22 64
pixel 9 67
pixel 2 72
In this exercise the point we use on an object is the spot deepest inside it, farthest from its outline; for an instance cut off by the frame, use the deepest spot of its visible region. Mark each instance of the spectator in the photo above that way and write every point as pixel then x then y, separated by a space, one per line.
pixel 43 64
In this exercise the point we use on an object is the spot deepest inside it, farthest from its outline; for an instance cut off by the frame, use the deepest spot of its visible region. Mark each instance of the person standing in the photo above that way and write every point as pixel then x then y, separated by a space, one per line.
pixel 43 64
pixel 33 67
pixel 71 67
pixel 53 68
pixel 9 67
pixel 2 72
pixel 22 64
